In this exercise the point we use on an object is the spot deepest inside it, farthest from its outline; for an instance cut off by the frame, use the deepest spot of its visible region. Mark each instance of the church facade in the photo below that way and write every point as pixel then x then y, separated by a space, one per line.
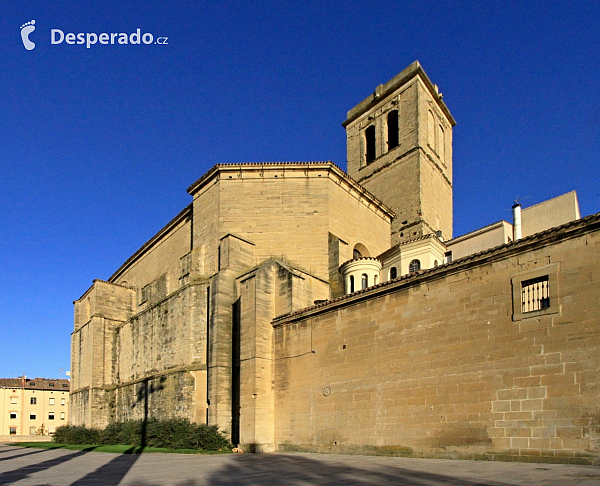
pixel 298 307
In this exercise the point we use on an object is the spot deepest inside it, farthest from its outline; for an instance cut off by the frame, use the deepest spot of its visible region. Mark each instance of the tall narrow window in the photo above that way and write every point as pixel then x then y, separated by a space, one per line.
pixel 351 284
pixel 414 266
pixel 33 400
pixel 440 142
pixel 370 143
pixel 393 273
pixel 430 130
pixel 392 126
pixel 364 281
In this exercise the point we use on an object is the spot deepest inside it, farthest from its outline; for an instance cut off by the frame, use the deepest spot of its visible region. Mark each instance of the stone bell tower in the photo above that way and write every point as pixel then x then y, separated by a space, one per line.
pixel 399 143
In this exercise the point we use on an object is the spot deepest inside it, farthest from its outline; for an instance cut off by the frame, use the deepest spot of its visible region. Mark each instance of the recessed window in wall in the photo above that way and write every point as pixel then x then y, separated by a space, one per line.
pixel 13 415
pixel 356 254
pixel 370 143
pixel 440 142
pixel 32 430
pixel 12 430
pixel 393 273
pixel 32 400
pixel 62 415
pixel 32 416
pixel 375 279
pixel 392 126
pixel 51 401
pixel 535 293
pixel 430 130
pixel 51 416
pixel 364 281
pixel 13 400
pixel 63 401
pixel 414 266
pixel 351 284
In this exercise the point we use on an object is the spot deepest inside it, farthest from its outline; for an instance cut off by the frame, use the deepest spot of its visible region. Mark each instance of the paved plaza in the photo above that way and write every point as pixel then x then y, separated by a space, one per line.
pixel 59 467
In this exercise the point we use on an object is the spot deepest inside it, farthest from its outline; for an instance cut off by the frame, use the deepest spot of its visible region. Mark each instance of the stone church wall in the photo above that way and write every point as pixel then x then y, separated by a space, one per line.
pixel 442 364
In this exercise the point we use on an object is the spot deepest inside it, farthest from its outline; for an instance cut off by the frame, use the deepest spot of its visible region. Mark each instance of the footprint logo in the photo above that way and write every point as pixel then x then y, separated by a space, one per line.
pixel 27 29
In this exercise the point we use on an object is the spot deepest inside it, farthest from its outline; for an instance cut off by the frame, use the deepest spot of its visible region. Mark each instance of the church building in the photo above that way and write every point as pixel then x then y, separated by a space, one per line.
pixel 300 307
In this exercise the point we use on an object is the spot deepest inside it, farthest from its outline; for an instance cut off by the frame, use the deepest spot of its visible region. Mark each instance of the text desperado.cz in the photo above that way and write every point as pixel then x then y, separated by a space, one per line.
pixel 57 36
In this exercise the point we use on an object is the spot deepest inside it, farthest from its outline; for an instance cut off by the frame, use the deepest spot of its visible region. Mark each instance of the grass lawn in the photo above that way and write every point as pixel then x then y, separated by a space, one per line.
pixel 119 449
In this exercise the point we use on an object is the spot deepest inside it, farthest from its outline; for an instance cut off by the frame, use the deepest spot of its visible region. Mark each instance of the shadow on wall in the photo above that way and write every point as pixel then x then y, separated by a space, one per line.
pixel 144 392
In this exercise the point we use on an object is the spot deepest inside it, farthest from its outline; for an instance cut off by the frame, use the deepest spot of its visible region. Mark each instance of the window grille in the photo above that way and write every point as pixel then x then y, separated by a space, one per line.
pixel 414 266
pixel 535 294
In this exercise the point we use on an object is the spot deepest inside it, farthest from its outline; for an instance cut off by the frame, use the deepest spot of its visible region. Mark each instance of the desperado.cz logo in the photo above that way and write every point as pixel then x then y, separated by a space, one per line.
pixel 57 36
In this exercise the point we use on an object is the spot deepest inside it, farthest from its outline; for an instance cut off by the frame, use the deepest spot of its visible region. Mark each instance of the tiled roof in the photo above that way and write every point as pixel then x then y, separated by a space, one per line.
pixel 36 384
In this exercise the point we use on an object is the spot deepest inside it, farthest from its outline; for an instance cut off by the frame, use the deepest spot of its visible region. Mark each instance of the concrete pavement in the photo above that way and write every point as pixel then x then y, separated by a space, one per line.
pixel 60 467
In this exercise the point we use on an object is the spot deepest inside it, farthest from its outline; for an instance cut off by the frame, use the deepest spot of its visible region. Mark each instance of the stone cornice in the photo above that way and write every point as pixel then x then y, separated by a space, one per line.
pixel 384 90
pixel 152 241
pixel 281 170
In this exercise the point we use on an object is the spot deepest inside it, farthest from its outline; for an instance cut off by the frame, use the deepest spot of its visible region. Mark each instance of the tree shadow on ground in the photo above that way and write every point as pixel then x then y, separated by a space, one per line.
pixel 277 469
pixel 25 452
pixel 112 472
pixel 23 472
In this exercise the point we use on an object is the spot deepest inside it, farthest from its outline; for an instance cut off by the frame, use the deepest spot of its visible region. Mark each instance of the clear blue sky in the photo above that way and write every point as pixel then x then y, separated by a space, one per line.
pixel 98 145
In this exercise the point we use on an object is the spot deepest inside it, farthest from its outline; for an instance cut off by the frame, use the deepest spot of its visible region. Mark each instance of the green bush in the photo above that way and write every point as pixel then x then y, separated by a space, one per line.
pixel 77 434
pixel 174 433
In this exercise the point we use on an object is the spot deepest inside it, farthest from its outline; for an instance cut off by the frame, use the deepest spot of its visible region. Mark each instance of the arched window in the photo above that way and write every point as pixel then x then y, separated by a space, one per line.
pixel 393 273
pixel 392 126
pixel 351 284
pixel 435 263
pixel 370 143
pixel 430 130
pixel 360 251
pixel 375 279
pixel 364 281
pixel 414 266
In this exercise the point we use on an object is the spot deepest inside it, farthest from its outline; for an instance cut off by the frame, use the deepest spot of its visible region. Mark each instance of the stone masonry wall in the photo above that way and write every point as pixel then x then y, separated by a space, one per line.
pixel 441 363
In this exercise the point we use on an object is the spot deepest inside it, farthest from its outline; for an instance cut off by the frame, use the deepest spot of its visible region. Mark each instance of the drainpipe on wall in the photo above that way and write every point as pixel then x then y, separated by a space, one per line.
pixel 516 221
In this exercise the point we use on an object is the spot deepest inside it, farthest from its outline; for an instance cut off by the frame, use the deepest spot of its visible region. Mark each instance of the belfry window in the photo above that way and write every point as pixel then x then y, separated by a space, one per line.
pixel 364 281
pixel 370 143
pixel 414 266
pixel 392 126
